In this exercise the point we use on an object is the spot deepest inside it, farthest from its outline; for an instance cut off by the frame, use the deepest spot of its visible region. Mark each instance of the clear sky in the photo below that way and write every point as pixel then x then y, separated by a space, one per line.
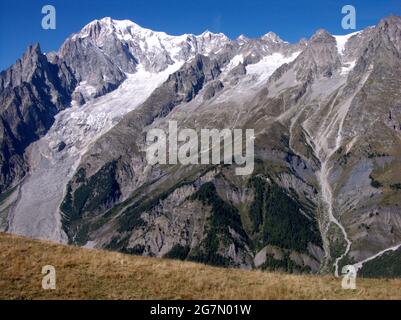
pixel 20 21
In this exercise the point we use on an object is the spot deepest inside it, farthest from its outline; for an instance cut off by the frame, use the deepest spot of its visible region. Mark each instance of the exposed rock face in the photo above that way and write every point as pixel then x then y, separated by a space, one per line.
pixel 32 92
pixel 326 113
pixel 91 67
pixel 104 50
pixel 320 57
pixel 212 89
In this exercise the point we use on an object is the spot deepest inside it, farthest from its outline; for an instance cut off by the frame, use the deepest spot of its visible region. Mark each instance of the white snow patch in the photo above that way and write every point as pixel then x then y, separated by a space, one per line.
pixel 86 89
pixel 265 67
pixel 273 37
pixel 153 42
pixel 348 67
pixel 239 58
pixel 342 41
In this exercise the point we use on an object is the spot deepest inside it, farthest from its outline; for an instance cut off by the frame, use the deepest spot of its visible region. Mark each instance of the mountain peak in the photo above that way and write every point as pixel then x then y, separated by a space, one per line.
pixel 33 56
pixel 272 37
pixel 32 52
pixel 322 35
pixel 126 28
pixel 23 68
pixel 107 25
pixel 210 35
pixel 119 24
pixel 391 22
pixel 242 39
pixel 113 24
pixel 391 27
pixel 34 48
pixel 391 19
pixel 303 42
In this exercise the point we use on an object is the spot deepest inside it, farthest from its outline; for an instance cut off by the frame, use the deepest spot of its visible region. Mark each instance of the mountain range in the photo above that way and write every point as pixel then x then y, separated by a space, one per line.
pixel 326 111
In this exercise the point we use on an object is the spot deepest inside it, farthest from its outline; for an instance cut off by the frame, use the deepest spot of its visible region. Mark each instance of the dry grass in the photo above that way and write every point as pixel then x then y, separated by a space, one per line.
pixel 95 274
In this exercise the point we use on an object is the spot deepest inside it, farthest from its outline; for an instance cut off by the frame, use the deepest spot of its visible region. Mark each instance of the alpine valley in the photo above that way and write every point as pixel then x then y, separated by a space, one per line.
pixel 326 188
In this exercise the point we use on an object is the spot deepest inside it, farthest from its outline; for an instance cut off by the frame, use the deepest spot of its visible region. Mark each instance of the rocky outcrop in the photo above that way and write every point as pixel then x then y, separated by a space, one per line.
pixel 32 92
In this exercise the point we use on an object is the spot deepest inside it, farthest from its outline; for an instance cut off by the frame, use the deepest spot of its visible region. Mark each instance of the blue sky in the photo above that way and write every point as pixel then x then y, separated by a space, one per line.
pixel 20 21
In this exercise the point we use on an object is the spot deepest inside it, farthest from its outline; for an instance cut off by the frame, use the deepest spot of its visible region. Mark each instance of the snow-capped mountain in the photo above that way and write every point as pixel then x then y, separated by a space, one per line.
pixel 327 118
pixel 105 50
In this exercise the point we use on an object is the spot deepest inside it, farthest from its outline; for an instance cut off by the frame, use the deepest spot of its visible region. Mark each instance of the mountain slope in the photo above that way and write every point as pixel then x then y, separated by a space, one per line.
pixel 32 92
pixel 314 95
pixel 95 274
pixel 326 114
pixel 77 127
